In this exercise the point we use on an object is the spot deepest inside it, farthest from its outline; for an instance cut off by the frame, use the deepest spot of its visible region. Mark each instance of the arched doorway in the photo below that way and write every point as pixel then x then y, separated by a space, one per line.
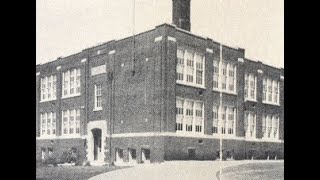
pixel 96 142
pixel 96 133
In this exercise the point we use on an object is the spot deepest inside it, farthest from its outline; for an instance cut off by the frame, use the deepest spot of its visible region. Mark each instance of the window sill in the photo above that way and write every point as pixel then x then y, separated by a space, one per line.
pixel 60 137
pixel 70 96
pixel 47 100
pixel 270 103
pixel 190 84
pixel 251 100
pixel 224 91
pixel 97 109
pixel 70 136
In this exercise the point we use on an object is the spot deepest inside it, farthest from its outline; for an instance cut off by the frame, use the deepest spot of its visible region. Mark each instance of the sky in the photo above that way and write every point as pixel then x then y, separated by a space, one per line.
pixel 65 27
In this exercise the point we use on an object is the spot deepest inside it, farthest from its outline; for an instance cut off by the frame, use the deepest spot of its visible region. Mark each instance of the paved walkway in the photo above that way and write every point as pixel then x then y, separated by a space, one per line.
pixel 174 170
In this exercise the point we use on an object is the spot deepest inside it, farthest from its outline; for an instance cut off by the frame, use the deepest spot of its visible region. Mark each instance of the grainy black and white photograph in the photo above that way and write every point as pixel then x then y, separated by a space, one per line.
pixel 160 89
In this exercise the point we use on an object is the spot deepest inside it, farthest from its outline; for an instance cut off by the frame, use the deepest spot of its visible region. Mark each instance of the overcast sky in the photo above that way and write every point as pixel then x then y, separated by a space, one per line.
pixel 65 27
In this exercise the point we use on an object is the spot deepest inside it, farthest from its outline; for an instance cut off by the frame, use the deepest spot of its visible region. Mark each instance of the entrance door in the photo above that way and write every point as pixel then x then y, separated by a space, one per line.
pixel 145 155
pixel 96 143
pixel 191 154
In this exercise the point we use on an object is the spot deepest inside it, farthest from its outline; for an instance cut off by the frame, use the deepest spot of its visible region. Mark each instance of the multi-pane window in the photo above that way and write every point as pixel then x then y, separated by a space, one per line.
pixel 224 120
pixel 71 122
pixel 215 74
pixel 48 88
pixel 276 92
pixel 48 124
pixel 224 79
pixel 98 97
pixel 215 115
pixel 271 91
pixel 180 65
pixel 179 115
pixel 231 77
pixel 199 116
pixel 189 115
pixel 250 87
pixel 199 69
pixel 270 126
pixel 190 67
pixel 231 117
pixel 250 124
pixel 224 76
pixel 71 83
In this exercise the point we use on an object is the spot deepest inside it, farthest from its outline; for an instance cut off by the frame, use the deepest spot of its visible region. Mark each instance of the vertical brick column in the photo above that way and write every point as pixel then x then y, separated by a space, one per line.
pixel 259 106
pixel 241 69
pixel 38 90
pixel 281 123
pixel 210 52
pixel 170 77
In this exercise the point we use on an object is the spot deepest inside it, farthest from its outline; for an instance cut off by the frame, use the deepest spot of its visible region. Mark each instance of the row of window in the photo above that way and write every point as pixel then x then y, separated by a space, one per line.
pixel 189 117
pixel 70 86
pixel 48 124
pixel 190 67
pixel 228 118
pixel 270 126
pixel 48 88
pixel 224 76
pixel 70 123
pixel 71 83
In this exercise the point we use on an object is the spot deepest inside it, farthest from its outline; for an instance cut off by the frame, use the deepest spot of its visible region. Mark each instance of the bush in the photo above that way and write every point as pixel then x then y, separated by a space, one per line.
pixel 71 156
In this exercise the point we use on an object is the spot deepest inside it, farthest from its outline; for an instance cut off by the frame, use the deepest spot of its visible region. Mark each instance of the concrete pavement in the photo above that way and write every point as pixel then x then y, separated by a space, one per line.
pixel 174 170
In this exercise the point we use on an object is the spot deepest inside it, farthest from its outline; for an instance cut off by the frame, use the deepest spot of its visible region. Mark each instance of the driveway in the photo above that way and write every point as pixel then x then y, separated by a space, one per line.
pixel 174 170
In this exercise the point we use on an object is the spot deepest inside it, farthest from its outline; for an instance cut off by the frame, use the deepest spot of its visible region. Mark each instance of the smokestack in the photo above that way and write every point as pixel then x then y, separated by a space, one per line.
pixel 181 14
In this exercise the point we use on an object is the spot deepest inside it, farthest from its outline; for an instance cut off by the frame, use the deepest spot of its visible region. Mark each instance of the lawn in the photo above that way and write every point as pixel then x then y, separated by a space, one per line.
pixel 72 172
pixel 261 171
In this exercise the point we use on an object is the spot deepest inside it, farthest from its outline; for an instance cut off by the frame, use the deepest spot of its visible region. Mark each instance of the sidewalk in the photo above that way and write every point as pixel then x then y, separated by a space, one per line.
pixel 174 170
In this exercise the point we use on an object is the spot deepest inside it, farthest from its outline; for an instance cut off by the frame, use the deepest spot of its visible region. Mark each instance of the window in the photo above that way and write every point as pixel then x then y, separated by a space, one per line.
pixel 179 115
pixel 224 76
pixel 71 83
pixel 98 97
pixel 48 88
pixel 215 120
pixel 190 67
pixel 226 124
pixel 180 65
pixel 199 69
pixel 250 87
pixel 231 117
pixel 250 124
pixel 199 116
pixel 189 116
pixel 231 77
pixel 271 91
pixel 215 74
pixel 276 92
pixel 48 124
pixel 223 120
pixel 270 126
pixel 71 122
pixel 224 79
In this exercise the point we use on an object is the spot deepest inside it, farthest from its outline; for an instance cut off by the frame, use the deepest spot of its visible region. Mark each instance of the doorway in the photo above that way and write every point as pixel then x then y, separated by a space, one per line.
pixel 191 153
pixel 96 144
pixel 145 155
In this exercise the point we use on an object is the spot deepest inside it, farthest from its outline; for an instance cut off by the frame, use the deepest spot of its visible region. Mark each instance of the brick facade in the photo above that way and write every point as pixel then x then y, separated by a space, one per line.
pixel 139 96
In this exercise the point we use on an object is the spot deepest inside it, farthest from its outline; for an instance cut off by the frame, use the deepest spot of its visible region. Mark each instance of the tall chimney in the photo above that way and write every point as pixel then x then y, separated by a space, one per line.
pixel 181 14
